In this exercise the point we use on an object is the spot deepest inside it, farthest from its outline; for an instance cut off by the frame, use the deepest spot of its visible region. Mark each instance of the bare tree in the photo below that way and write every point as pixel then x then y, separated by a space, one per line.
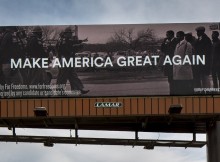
pixel 50 33
pixel 130 39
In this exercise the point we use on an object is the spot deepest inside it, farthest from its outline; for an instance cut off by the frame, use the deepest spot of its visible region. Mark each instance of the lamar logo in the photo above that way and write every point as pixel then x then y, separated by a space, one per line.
pixel 108 104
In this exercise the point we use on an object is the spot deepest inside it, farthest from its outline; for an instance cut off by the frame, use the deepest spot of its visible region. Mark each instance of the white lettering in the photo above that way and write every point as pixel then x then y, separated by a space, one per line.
pixel 177 60
pixel 121 61
pixel 56 63
pixel 200 59
pixel 14 64
pixel 108 62
pixel 147 61
pixel 138 60
pixel 66 63
pixel 186 60
pixel 155 58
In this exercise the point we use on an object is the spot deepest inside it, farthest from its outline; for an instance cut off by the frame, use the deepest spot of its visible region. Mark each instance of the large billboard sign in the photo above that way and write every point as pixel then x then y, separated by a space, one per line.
pixel 109 60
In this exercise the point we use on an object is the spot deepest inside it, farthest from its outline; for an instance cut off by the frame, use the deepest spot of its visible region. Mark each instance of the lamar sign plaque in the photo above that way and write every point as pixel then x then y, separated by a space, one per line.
pixel 108 104
pixel 109 60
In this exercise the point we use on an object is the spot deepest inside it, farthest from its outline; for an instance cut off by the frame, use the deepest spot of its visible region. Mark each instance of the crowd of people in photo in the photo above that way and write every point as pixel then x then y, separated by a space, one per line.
pixel 185 79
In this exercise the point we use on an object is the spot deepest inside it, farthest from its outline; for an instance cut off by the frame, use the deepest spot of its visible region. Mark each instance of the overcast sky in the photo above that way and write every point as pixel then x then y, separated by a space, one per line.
pixel 50 12
pixel 71 12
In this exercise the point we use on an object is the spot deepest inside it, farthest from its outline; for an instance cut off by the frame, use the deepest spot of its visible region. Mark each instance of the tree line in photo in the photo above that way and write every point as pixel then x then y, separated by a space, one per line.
pixel 33 42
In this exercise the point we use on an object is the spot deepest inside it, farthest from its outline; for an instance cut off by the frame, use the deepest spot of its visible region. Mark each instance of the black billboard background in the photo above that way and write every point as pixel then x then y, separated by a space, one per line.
pixel 103 41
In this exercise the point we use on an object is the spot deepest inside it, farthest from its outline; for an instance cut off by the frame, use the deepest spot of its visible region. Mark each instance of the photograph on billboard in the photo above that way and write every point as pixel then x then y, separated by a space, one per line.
pixel 109 60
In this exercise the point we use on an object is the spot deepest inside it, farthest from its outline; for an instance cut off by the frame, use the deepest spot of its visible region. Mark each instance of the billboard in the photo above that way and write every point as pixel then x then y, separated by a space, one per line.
pixel 109 60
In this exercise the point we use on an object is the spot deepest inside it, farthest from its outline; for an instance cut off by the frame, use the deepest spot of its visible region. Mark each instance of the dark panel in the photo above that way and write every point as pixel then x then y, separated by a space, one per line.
pixel 79 107
pixel 100 111
pixel 216 105
pixel 31 106
pixel 17 109
pixel 148 106
pixel 93 110
pixel 127 106
pixel 11 108
pixel 189 104
pixel 72 107
pixel 155 106
pixel 113 110
pixel 203 105
pixel 58 106
pixel 86 107
pixel 121 110
pixel 168 104
pixel 184 105
pixel 131 106
pixel 175 100
pixel 65 107
pixel 24 108
pixel 51 108
pixel 196 105
pixel 162 106
pixel 141 105
pixel 134 106
pixel 210 105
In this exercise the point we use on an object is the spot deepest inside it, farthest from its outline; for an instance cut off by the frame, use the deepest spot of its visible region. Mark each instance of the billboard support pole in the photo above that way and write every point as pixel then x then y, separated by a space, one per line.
pixel 194 136
pixel 213 142
pixel 136 135
pixel 13 131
